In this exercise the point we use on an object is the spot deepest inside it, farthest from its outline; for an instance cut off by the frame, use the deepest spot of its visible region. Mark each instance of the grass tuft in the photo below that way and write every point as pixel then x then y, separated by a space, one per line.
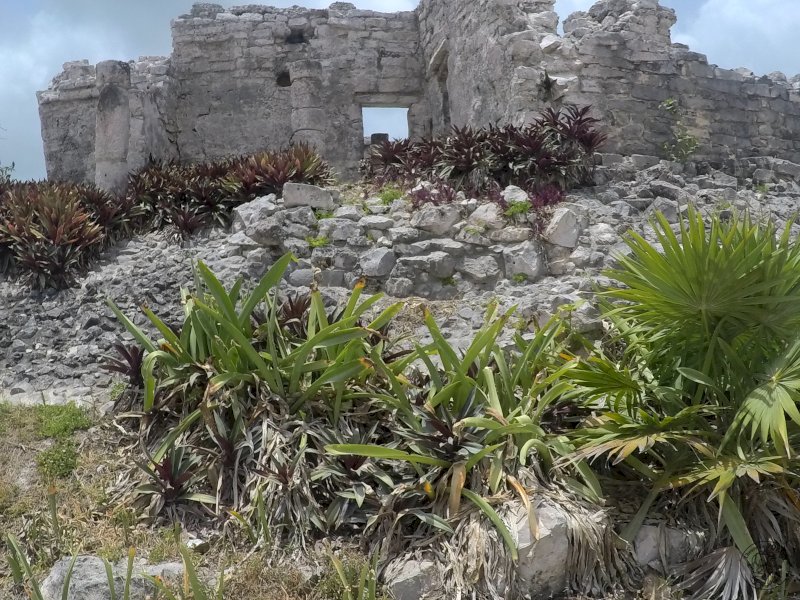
pixel 61 421
pixel 59 461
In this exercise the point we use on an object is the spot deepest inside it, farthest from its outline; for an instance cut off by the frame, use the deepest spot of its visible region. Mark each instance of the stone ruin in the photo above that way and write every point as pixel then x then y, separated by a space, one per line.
pixel 252 77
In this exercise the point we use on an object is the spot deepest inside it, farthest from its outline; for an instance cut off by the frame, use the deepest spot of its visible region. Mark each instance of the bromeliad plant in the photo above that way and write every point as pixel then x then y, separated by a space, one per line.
pixel 247 384
pixel 699 393
pixel 472 428
pixel 189 197
pixel 297 420
pixel 555 151
pixel 48 233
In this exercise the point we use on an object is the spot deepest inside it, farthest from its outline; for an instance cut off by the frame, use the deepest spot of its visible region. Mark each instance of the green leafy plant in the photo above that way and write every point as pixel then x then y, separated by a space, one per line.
pixel 520 278
pixel 684 145
pixel 357 584
pixel 703 396
pixel 518 208
pixel 58 461
pixel 241 372
pixel 318 242
pixel 470 430
pixel 389 194
pixel 61 421
pixel 171 480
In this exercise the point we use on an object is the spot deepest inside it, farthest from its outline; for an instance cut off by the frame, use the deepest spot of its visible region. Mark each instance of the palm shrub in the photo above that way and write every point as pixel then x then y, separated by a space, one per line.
pixel 699 391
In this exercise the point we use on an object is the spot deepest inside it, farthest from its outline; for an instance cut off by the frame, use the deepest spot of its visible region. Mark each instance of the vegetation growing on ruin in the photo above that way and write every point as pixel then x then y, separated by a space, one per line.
pixel 292 421
pixel 683 145
pixel 546 157
pixel 284 421
pixel 51 232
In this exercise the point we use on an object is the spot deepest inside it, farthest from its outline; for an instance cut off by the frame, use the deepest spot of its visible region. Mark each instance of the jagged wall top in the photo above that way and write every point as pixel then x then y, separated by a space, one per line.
pixel 252 76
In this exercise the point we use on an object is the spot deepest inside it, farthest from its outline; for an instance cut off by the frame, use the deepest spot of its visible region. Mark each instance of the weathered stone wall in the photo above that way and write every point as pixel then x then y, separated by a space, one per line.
pixel 625 65
pixel 99 123
pixel 491 60
pixel 257 76
pixel 471 51
pixel 153 108
pixel 68 112
pixel 253 77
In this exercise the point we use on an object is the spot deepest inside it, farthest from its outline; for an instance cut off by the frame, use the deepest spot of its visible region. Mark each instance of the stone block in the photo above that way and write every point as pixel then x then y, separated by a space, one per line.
pixel 378 262
pixel 563 228
pixel 438 220
pixel 300 194
pixel 527 258
pixel 483 269
pixel 339 230
pixel 246 215
pixel 488 216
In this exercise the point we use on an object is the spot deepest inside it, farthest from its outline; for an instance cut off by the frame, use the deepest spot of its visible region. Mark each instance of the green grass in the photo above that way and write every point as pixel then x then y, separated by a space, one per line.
pixel 520 278
pixel 117 390
pixel 61 421
pixel 323 214
pixel 59 461
pixel 19 420
pixel 389 194
pixel 318 242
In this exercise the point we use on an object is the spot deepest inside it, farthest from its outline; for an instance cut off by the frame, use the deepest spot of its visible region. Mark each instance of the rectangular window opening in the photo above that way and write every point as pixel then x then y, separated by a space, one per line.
pixel 384 120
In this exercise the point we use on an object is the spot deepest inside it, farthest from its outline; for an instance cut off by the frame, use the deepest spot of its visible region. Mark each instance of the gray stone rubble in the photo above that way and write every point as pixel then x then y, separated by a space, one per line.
pixel 51 344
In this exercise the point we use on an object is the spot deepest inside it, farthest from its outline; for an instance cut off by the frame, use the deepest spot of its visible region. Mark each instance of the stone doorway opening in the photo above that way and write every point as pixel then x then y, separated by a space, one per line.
pixel 381 122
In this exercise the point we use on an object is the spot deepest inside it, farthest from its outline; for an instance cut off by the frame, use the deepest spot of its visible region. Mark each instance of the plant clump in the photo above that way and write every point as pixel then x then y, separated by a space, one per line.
pixel 52 232
pixel 304 422
pixel 295 421
pixel 684 145
pixel 555 152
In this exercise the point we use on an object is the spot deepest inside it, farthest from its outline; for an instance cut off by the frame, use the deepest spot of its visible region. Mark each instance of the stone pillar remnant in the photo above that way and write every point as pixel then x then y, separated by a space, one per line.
pixel 308 113
pixel 113 127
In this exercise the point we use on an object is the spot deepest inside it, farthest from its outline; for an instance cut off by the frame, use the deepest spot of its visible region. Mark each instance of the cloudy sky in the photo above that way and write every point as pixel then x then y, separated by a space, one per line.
pixel 39 35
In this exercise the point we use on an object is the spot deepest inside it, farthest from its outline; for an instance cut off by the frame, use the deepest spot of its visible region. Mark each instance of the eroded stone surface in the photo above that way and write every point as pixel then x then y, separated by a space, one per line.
pixel 89 579
pixel 239 81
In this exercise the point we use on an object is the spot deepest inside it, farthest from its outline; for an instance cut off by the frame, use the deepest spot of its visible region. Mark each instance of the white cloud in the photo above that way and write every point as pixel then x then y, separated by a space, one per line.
pixel 759 34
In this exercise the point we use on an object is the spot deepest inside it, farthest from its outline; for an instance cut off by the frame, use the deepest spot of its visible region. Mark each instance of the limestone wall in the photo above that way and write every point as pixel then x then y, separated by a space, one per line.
pixel 67 112
pixel 254 77
pixel 471 50
pixel 100 122
pixel 625 65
